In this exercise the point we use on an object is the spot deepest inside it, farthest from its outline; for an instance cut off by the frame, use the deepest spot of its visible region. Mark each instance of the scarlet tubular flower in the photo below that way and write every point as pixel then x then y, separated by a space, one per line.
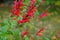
pixel 25 20
pixel 15 4
pixel 31 9
pixel 14 18
pixel 21 3
pixel 25 33
pixel 31 12
pixel 33 2
pixel 17 7
pixel 44 14
pixel 40 32
pixel 17 12
pixel 14 10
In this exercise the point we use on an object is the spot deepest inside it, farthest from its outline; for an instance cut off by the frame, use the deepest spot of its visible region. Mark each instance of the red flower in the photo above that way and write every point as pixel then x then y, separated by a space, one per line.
pixel 12 11
pixel 32 11
pixel 14 18
pixel 17 12
pixel 15 4
pixel 16 7
pixel 33 2
pixel 25 33
pixel 44 14
pixel 40 32
pixel 25 20
pixel 21 3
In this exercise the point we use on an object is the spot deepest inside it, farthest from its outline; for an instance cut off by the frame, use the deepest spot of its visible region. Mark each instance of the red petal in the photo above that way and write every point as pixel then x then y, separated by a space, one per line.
pixel 40 32
pixel 25 33
pixel 14 18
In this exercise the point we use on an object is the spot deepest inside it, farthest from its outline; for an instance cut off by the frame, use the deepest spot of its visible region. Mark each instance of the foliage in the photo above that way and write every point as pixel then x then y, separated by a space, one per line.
pixel 29 19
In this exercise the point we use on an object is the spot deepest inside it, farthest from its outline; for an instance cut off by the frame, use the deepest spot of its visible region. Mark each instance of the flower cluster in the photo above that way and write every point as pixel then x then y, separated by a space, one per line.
pixel 17 10
pixel 30 12
pixel 17 7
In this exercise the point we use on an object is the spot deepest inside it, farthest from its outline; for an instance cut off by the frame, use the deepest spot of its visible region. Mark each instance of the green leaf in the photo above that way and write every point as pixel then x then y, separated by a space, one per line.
pixel 13 23
pixel 31 25
pixel 4 38
pixel 40 0
pixel 4 29
pixel 6 21
pixel 45 38
pixel 26 38
pixel 25 24
pixel 20 17
pixel 27 2
pixel 37 13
